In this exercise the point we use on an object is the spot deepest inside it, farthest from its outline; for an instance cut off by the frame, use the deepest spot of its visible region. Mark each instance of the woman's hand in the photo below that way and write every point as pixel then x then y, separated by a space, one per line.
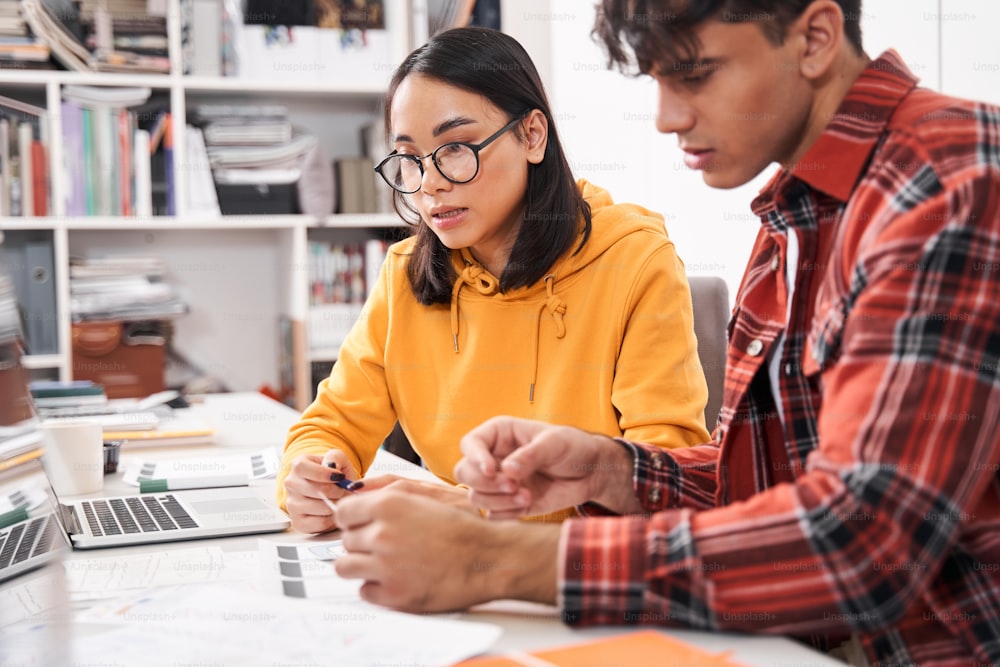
pixel 312 478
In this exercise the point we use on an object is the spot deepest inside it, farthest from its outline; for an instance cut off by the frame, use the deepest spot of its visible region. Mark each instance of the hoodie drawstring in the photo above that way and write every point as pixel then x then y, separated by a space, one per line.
pixel 476 276
pixel 557 308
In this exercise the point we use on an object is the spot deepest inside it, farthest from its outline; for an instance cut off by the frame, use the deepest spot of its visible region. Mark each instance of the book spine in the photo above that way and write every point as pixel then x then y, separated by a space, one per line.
pixel 168 163
pixel 143 176
pixel 5 167
pixel 90 160
pixel 73 159
pixel 39 178
pixel 25 135
pixel 125 161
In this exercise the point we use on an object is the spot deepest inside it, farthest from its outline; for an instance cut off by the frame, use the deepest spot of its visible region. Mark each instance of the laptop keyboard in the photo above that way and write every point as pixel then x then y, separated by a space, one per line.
pixel 26 540
pixel 143 514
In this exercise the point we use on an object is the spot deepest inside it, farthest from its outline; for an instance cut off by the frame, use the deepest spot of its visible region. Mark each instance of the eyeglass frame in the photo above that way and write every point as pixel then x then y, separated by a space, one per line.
pixel 419 159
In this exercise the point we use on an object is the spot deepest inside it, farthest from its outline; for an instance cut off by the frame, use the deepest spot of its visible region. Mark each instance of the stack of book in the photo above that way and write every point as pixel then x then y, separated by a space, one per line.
pixel 104 36
pixel 19 438
pixel 24 183
pixel 255 155
pixel 340 277
pixel 19 49
pixel 52 395
pixel 116 165
pixel 56 23
pixel 122 288
pixel 123 37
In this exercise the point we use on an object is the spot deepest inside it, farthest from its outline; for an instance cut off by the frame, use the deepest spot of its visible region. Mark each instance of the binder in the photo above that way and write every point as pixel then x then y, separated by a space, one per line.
pixel 38 299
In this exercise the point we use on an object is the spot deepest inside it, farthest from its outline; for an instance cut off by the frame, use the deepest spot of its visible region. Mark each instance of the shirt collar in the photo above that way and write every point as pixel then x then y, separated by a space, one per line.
pixel 835 162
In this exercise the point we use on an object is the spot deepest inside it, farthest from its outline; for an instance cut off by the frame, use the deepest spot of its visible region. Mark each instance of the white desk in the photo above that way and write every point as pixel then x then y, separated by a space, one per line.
pixel 250 422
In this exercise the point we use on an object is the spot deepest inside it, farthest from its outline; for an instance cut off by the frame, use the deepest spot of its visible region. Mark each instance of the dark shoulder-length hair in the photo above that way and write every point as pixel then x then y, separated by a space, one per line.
pixel 494 65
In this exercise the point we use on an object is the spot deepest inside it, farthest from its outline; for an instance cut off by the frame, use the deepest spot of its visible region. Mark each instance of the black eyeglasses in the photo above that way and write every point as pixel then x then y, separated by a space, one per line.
pixel 457 161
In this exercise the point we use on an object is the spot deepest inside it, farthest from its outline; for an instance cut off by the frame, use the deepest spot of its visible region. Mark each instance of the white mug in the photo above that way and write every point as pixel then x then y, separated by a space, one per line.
pixel 73 456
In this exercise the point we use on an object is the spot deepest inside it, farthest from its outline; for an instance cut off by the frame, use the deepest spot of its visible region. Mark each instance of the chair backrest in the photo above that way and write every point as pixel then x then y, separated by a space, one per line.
pixel 710 302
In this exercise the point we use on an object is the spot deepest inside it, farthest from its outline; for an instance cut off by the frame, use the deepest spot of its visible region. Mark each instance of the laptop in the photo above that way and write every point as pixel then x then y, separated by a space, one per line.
pixel 30 533
pixel 168 517
pixel 134 519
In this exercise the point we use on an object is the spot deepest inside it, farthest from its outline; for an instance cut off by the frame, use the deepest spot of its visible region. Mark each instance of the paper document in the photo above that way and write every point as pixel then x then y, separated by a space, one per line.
pixel 258 465
pixel 184 625
pixel 102 577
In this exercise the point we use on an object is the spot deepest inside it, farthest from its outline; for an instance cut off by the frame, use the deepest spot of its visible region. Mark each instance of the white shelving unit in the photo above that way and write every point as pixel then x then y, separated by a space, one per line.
pixel 239 274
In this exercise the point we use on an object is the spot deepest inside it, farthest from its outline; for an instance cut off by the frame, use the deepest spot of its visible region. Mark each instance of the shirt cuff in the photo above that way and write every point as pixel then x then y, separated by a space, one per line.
pixel 653 477
pixel 601 570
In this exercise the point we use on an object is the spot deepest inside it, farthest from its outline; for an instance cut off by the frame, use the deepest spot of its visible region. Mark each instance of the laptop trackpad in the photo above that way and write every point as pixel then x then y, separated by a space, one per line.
pixel 206 507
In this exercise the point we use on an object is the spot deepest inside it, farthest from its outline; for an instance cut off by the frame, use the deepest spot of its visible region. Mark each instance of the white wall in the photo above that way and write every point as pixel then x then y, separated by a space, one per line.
pixel 607 124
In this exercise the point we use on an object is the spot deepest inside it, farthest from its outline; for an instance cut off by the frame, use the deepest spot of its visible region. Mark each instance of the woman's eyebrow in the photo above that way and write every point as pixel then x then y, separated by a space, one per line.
pixel 440 128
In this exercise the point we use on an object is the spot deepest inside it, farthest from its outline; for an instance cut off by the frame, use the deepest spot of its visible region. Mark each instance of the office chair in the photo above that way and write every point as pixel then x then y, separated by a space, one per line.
pixel 710 303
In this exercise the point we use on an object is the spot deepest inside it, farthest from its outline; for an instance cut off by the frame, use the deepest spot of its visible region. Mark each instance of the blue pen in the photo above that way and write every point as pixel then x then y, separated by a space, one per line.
pixel 348 485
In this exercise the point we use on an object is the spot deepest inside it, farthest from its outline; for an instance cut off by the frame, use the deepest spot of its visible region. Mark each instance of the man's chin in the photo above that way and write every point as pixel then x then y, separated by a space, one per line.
pixel 722 179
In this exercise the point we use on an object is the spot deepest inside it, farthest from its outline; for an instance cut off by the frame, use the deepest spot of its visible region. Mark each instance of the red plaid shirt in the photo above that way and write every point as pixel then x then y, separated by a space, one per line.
pixel 870 504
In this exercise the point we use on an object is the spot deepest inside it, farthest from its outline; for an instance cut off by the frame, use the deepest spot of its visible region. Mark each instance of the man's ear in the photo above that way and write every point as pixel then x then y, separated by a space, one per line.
pixel 536 135
pixel 821 27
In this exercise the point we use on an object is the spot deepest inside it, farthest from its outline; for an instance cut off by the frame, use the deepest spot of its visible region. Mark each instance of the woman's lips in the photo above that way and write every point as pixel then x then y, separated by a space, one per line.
pixel 447 219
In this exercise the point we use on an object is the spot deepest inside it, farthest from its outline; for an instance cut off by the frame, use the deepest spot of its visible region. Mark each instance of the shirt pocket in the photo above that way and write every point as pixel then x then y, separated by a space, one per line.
pixel 824 335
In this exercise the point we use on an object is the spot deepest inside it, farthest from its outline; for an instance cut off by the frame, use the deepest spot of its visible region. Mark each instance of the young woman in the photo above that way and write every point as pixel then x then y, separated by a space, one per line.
pixel 521 292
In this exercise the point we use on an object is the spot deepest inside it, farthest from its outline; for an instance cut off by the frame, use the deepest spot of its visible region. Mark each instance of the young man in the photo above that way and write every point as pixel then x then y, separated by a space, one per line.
pixel 851 495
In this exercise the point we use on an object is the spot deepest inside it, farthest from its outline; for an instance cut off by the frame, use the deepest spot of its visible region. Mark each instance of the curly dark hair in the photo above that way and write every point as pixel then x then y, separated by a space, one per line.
pixel 638 34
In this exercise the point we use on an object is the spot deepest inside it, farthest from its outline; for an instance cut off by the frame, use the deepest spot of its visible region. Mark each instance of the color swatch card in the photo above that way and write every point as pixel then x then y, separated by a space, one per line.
pixel 305 570
pixel 205 471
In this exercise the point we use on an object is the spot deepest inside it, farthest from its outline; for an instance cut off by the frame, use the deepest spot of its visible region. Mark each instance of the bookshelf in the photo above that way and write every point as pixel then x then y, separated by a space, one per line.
pixel 242 276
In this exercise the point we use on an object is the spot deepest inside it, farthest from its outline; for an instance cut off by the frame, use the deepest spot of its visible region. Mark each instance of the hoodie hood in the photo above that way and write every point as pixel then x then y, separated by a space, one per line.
pixel 610 223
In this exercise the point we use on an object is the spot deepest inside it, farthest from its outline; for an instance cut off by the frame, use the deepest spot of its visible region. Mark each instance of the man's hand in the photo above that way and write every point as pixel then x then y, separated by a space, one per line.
pixel 518 467
pixel 419 555
pixel 310 478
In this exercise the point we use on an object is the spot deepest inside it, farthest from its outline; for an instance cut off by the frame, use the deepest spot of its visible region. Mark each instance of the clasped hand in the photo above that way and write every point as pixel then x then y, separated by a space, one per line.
pixel 519 467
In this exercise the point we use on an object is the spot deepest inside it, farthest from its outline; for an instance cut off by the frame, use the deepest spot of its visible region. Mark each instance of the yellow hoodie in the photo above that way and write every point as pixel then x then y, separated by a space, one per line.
pixel 604 343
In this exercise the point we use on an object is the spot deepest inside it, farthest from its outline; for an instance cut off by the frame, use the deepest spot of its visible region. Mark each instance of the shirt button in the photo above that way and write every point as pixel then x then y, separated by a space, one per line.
pixel 754 348
pixel 657 462
pixel 775 263
pixel 654 495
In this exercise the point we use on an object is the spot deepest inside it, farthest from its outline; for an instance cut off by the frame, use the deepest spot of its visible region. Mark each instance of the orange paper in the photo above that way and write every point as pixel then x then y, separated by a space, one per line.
pixel 643 648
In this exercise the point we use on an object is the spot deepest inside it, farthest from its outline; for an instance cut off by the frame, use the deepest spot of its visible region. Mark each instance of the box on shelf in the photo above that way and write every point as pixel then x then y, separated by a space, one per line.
pixel 307 53
pixel 258 198
pixel 127 366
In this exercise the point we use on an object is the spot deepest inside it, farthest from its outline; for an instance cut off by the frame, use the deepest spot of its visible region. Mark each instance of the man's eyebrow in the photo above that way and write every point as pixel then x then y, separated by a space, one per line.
pixel 682 67
pixel 440 128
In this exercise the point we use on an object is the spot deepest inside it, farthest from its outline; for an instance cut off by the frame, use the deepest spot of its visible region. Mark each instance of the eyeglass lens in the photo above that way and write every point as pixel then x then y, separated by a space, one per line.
pixel 457 162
